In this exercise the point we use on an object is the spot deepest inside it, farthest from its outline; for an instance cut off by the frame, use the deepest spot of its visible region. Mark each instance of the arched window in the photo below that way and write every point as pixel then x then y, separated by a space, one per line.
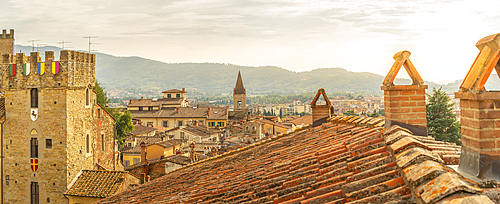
pixel 34 98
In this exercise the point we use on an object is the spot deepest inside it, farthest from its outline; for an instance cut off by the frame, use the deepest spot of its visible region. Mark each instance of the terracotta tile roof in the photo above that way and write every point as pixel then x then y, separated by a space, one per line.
pixel 141 129
pixel 139 139
pixel 216 113
pixel 156 103
pixel 174 91
pixel 273 123
pixel 305 119
pixel 96 183
pixel 337 162
pixel 168 143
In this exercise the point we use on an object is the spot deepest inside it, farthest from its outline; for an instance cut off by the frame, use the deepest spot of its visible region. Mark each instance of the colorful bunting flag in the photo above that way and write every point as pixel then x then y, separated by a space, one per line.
pixel 41 68
pixel 12 69
pixel 55 67
pixel 26 68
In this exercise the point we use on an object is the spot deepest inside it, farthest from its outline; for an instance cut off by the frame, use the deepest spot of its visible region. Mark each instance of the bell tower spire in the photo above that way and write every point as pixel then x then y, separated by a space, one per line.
pixel 239 94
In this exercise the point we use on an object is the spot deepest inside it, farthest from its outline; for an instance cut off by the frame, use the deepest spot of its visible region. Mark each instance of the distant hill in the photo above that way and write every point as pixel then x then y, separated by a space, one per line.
pixel 136 73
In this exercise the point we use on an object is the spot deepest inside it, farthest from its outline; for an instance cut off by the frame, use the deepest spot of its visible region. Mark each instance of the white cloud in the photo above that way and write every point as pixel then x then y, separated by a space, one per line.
pixel 294 34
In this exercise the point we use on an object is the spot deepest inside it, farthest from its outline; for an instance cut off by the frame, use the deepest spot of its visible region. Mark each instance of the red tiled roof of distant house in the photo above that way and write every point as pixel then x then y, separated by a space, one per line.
pixel 174 91
pixel 96 183
pixel 338 162
pixel 305 119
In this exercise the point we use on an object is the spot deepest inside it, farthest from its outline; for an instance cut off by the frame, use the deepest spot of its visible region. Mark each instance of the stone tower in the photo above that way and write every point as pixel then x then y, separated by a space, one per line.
pixel 52 129
pixel 7 42
pixel 239 95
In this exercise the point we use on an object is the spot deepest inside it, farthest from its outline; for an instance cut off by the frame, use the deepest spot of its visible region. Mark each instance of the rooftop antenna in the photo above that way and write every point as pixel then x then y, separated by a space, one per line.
pixel 64 42
pixel 90 42
pixel 38 45
pixel 33 44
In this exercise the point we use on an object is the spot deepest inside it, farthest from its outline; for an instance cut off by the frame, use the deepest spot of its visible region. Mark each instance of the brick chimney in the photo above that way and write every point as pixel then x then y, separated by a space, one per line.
pixel 143 152
pixel 405 104
pixel 320 112
pixel 183 89
pixel 480 114
pixel 192 154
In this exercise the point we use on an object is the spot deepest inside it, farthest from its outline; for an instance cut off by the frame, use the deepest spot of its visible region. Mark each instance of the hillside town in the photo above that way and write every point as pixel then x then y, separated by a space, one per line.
pixel 59 144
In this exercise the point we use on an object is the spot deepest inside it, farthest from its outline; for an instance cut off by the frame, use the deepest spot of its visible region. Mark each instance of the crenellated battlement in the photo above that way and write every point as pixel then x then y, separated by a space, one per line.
pixel 6 35
pixel 74 69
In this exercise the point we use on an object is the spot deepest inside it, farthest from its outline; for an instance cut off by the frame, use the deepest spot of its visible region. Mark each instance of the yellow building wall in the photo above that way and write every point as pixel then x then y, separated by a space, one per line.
pixel 225 122
pixel 82 200
pixel 158 122
pixel 130 158
pixel 154 151
pixel 169 151
pixel 276 129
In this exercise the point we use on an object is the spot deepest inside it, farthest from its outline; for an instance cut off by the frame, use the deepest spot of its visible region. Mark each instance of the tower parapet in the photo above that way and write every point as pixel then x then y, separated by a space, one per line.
pixel 74 69
pixel 7 42
pixel 6 35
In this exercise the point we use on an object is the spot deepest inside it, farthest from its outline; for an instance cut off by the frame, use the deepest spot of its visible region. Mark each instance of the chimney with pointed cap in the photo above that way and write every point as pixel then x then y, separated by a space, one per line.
pixel 405 104
pixel 480 114
pixel 320 113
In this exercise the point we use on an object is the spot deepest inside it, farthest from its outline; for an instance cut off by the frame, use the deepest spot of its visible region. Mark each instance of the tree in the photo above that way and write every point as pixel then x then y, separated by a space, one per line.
pixel 374 114
pixel 350 112
pixel 122 126
pixel 123 121
pixel 441 121
pixel 100 94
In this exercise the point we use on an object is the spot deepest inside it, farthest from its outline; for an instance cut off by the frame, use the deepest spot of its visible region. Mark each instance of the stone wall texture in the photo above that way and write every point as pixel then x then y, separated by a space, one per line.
pixel 67 114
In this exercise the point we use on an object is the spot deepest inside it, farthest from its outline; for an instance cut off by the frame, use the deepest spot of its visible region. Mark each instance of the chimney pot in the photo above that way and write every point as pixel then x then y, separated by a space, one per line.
pixel 183 89
pixel 143 152
pixel 142 97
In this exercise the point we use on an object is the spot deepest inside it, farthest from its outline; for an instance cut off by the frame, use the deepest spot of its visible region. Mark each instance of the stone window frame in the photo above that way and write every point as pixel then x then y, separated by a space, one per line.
pixel 103 142
pixel 165 123
pixel 87 96
pixel 34 193
pixel 45 143
pixel 88 145
pixel 34 97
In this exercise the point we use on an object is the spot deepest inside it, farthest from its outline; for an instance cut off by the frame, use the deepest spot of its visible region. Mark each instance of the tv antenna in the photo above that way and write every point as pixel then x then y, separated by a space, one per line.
pixel 91 43
pixel 33 44
pixel 64 42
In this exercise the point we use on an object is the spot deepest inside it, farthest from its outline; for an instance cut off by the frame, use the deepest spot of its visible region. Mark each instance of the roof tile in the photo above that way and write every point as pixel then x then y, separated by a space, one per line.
pixel 414 156
pixel 449 183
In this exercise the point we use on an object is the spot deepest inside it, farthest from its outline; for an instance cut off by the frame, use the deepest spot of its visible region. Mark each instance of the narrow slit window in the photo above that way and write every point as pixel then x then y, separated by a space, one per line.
pixel 34 98
pixel 87 144
pixel 34 148
pixel 35 191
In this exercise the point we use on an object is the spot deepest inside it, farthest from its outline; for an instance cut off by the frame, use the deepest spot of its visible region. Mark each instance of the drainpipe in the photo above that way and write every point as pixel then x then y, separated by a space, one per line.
pixel 2 157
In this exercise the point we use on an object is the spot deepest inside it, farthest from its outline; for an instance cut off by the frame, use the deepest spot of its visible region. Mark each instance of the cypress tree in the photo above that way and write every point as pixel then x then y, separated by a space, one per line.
pixel 441 121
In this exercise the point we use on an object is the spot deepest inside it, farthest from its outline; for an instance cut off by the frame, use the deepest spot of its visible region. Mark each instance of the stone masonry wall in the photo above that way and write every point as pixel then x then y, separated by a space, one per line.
pixel 7 42
pixel 104 124
pixel 242 98
pixel 19 129
pixel 63 117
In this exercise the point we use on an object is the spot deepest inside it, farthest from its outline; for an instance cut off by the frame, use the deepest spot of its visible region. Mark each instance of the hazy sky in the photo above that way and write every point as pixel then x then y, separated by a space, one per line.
pixel 358 35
